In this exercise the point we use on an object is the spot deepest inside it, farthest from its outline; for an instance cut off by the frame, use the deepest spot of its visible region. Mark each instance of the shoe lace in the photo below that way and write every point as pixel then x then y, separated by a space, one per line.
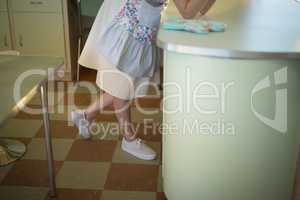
pixel 139 142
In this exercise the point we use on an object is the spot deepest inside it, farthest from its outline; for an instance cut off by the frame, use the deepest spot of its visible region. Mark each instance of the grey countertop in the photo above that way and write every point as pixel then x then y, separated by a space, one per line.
pixel 257 29
pixel 11 68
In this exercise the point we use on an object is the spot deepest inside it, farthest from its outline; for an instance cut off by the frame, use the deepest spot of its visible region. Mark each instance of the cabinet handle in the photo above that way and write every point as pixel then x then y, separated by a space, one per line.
pixel 36 2
pixel 5 41
pixel 20 40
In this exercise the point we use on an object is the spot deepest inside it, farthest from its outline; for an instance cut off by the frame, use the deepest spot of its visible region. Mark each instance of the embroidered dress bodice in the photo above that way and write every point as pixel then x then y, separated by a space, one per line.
pixel 128 42
pixel 141 18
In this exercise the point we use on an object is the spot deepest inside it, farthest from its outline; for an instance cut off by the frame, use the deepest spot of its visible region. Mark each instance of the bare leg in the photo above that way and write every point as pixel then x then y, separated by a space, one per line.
pixel 122 112
pixel 130 143
pixel 92 111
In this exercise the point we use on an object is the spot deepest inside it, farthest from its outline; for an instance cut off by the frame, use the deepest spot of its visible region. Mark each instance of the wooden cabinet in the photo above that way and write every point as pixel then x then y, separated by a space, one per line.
pixel 36 6
pixel 5 41
pixel 39 34
pixel 41 28
pixel 38 27
pixel 3 5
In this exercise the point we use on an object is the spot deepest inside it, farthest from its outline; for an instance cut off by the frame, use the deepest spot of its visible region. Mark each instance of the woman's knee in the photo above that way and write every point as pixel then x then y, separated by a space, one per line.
pixel 118 101
pixel 121 104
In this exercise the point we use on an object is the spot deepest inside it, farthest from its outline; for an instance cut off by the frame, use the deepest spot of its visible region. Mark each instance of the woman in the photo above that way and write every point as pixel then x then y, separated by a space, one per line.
pixel 121 47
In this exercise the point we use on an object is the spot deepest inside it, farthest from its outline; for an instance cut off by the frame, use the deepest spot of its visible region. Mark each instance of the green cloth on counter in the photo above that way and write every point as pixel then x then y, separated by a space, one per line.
pixel 198 26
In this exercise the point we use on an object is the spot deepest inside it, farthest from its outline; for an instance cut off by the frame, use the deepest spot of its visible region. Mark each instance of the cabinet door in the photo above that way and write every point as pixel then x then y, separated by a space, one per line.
pixel 5 43
pixel 36 6
pixel 39 34
pixel 3 5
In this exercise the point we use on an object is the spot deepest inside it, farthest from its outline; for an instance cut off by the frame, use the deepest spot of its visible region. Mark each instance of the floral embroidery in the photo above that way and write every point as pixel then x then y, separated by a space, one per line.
pixel 128 17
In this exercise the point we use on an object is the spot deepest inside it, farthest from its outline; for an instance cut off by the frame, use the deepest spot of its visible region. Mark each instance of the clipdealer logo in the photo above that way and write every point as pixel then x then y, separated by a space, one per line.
pixel 279 122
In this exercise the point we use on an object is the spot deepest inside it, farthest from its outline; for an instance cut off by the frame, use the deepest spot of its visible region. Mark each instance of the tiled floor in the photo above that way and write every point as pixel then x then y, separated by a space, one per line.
pixel 92 170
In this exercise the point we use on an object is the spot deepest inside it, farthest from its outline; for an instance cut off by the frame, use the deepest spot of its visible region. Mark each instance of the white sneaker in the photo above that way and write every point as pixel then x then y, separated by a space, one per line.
pixel 82 123
pixel 138 149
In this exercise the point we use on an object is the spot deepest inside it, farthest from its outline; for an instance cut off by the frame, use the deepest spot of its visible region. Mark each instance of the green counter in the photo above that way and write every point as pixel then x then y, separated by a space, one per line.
pixel 231 105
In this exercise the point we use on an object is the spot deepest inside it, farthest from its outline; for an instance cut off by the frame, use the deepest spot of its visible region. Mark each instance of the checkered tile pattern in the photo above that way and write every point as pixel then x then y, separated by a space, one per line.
pixel 92 170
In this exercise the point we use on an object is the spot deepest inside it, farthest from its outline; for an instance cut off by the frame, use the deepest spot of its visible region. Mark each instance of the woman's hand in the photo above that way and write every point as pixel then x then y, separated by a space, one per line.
pixel 190 8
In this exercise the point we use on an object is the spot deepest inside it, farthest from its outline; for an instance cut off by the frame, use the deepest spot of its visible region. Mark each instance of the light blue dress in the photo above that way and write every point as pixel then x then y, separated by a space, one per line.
pixel 109 78
pixel 128 42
